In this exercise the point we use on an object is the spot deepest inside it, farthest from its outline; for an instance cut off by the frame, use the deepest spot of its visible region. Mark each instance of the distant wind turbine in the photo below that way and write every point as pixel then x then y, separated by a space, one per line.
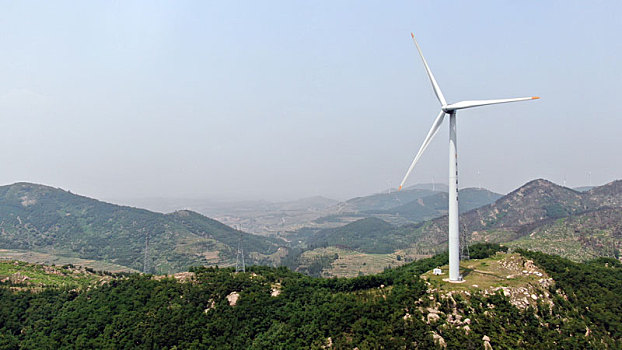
pixel 454 231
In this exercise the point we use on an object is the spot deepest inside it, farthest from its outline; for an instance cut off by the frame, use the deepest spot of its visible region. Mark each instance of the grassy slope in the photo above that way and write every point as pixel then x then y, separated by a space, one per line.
pixel 27 275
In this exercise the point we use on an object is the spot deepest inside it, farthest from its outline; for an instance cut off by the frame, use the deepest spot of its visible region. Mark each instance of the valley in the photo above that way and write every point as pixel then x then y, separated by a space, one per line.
pixel 372 233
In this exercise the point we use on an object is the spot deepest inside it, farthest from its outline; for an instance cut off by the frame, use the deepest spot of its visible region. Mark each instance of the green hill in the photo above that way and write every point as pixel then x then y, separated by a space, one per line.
pixel 543 216
pixel 50 220
pixel 383 201
pixel 435 205
pixel 539 216
pixel 579 237
pixel 549 303
pixel 370 235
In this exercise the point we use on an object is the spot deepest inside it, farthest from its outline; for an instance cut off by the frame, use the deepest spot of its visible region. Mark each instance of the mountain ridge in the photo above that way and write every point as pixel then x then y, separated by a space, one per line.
pixel 43 218
pixel 538 202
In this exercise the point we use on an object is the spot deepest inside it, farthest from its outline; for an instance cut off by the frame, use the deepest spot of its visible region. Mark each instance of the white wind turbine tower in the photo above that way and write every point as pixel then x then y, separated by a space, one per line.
pixel 454 231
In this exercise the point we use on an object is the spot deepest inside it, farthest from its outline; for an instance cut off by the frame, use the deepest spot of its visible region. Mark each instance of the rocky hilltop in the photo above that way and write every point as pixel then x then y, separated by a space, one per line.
pixel 509 301
pixel 538 210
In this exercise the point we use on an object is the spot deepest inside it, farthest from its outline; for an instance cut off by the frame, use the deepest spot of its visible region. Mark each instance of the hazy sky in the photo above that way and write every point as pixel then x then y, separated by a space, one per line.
pixel 286 99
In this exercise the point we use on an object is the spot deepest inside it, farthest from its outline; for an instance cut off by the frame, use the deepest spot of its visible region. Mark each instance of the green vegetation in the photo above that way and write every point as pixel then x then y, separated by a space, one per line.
pixel 435 205
pixel 579 237
pixel 33 276
pixel 48 220
pixel 278 308
pixel 538 216
pixel 593 289
pixel 50 225
pixel 370 235
pixel 52 259
pixel 384 201
pixel 485 250
pixel 339 262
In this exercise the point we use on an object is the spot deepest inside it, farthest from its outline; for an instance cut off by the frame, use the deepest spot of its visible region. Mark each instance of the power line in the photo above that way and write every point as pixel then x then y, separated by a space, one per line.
pixel 146 258
pixel 240 265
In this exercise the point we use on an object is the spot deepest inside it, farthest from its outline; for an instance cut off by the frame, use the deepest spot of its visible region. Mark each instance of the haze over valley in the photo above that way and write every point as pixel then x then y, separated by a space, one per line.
pixel 364 234
pixel 235 175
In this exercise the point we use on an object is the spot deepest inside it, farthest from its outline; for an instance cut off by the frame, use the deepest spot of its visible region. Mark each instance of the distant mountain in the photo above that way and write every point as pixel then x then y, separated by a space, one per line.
pixel 309 203
pixel 582 188
pixel 429 186
pixel 375 205
pixel 526 211
pixel 539 215
pixel 435 205
pixel 580 237
pixel 608 195
pixel 384 201
pixel 42 218
pixel 259 217
pixel 369 235
pixel 374 235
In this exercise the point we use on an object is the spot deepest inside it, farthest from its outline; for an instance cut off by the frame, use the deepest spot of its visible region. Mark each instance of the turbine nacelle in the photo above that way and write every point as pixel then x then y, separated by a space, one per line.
pixel 448 110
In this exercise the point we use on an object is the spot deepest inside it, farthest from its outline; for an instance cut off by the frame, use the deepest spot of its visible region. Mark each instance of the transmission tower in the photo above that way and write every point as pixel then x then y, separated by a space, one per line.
pixel 464 243
pixel 239 259
pixel 146 259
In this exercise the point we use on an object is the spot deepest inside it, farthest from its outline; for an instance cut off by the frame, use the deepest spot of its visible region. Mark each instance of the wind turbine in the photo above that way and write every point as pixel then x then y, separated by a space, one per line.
pixel 454 231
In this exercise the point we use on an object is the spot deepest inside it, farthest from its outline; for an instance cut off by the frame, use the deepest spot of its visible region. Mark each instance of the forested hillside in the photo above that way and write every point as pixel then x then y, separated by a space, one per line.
pixel 41 218
pixel 540 215
pixel 435 205
pixel 270 308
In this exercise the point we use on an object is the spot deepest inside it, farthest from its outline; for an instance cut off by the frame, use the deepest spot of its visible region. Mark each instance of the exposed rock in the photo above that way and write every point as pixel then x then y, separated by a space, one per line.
pixel 184 276
pixel 454 318
pixel 438 340
pixel 233 298
pixel 27 201
pixel 432 317
pixel 211 305
pixel 328 343
pixel 487 345
pixel 276 290
pixel 17 278
pixel 51 270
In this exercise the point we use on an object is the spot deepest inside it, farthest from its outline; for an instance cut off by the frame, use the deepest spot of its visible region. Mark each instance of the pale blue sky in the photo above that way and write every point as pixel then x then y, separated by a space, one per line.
pixel 286 99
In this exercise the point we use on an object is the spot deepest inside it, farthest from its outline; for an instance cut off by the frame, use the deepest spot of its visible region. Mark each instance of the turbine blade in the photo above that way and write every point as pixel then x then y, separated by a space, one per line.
pixel 478 103
pixel 437 89
pixel 437 123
